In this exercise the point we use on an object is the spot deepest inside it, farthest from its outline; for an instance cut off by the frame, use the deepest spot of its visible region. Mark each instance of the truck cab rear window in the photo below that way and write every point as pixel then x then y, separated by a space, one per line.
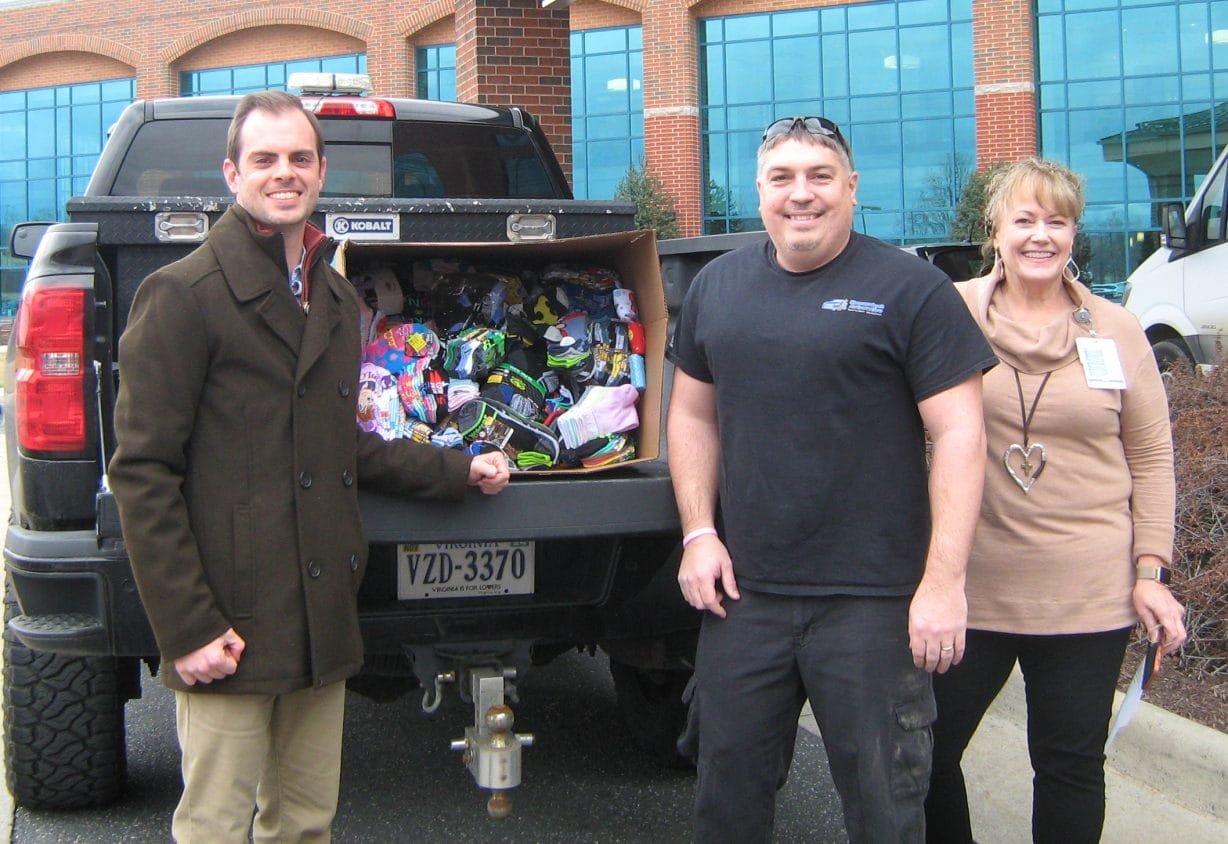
pixel 423 160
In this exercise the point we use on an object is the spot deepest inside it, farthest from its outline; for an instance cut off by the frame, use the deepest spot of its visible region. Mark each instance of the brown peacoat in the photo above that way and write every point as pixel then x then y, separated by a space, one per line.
pixel 238 457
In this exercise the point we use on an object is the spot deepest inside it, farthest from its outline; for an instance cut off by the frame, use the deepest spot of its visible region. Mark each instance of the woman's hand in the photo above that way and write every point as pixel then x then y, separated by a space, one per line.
pixel 1161 613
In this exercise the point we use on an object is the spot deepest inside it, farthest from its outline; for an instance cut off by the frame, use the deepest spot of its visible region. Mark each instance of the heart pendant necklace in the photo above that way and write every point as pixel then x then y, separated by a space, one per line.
pixel 1025 462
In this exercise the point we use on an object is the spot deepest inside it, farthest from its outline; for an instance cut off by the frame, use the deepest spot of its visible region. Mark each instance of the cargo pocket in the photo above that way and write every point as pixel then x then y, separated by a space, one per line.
pixel 688 742
pixel 243 578
pixel 912 756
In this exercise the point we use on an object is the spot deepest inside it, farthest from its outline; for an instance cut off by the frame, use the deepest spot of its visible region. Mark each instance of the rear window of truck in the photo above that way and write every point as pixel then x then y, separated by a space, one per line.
pixel 422 160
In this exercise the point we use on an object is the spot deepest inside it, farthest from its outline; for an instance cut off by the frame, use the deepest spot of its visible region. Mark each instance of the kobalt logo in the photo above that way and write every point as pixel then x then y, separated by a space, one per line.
pixel 346 225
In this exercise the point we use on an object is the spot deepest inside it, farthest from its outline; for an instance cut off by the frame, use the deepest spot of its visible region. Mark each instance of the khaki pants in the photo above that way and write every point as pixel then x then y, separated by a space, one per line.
pixel 280 754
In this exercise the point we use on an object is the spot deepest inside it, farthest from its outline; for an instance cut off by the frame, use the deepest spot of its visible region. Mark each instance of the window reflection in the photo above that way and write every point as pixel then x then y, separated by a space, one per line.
pixel 607 107
pixel 1134 100
pixel 244 79
pixel 884 71
pixel 49 142
pixel 436 71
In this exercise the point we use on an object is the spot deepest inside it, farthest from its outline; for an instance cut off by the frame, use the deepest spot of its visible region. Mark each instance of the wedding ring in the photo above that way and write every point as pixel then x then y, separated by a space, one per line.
pixel 947 648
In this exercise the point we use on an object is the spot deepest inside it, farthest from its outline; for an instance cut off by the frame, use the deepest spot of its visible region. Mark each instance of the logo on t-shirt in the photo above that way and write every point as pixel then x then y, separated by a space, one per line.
pixel 872 308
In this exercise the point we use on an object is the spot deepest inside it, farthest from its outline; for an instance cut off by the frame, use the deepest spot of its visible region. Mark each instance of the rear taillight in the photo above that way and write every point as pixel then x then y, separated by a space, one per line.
pixel 50 368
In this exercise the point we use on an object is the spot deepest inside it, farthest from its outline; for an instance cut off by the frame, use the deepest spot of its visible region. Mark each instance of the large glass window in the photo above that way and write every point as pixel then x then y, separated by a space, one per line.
pixel 896 76
pixel 50 139
pixel 263 77
pixel 436 71
pixel 607 108
pixel 1132 96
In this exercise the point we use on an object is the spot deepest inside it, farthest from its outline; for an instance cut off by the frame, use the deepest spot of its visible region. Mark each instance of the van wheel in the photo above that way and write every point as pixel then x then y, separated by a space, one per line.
pixel 63 726
pixel 653 712
pixel 1172 354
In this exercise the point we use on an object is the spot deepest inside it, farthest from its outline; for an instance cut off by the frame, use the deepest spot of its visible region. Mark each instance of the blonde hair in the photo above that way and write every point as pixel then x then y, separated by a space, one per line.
pixel 1053 185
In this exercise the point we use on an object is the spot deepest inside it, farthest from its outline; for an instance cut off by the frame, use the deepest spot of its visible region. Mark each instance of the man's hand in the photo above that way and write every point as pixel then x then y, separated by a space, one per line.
pixel 218 659
pixel 489 472
pixel 937 621
pixel 704 562
pixel 938 615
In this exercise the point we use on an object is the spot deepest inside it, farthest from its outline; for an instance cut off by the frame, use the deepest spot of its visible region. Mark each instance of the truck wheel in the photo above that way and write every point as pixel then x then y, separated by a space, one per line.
pixel 652 709
pixel 1171 354
pixel 63 727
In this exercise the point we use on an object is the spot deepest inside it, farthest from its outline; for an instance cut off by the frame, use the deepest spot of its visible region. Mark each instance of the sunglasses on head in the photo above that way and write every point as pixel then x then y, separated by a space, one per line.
pixel 818 126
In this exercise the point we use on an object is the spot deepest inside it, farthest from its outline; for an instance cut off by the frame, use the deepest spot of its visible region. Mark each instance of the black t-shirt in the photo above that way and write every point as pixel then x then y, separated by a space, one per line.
pixel 823 485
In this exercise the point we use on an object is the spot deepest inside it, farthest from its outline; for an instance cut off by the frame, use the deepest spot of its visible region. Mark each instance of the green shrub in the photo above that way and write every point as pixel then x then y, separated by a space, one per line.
pixel 654 208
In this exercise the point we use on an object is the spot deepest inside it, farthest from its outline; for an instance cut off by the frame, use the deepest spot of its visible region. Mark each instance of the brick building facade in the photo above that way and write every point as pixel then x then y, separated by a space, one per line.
pixel 508 52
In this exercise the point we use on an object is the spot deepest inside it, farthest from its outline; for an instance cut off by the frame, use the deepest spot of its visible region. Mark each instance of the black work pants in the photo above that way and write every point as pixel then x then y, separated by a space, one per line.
pixel 1069 681
pixel 850 657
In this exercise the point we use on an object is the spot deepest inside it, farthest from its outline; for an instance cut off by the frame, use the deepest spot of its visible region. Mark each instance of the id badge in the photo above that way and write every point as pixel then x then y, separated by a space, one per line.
pixel 1101 364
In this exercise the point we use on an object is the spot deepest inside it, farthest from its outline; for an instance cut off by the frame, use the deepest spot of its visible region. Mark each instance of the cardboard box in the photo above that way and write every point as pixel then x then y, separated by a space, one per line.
pixel 632 254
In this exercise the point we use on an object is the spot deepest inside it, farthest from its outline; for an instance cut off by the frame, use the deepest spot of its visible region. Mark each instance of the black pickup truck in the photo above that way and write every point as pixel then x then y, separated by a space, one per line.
pixel 606 543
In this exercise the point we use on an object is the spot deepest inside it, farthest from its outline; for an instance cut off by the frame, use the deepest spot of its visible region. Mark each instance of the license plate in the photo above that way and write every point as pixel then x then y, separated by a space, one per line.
pixel 464 570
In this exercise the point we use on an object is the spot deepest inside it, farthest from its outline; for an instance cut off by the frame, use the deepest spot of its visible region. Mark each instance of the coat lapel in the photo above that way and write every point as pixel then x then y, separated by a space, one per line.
pixel 248 263
pixel 322 318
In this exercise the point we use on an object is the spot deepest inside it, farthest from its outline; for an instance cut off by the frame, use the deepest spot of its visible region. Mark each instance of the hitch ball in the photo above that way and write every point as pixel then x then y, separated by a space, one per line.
pixel 499 720
pixel 499 805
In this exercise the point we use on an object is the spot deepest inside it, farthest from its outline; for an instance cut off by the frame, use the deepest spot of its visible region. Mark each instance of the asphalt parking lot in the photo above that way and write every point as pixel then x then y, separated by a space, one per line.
pixel 585 782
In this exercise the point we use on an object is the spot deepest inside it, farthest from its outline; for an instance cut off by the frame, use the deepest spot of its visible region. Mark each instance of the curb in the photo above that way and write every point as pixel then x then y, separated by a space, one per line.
pixel 1185 761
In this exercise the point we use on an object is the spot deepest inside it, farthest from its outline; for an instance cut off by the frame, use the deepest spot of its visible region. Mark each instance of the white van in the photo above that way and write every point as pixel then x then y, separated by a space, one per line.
pixel 1180 293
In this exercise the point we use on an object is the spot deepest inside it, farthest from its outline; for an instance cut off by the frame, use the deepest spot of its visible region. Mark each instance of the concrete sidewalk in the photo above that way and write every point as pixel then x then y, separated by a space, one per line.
pixel 1167 777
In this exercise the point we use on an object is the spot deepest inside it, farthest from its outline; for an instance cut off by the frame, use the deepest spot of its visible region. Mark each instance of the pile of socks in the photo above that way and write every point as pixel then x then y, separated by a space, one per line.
pixel 543 363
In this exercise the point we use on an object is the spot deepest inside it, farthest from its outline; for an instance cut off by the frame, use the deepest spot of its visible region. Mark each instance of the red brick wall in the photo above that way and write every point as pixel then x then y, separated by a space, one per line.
pixel 270 44
pixel 593 14
pixel 67 68
pixel 508 52
pixel 1004 64
pixel 513 52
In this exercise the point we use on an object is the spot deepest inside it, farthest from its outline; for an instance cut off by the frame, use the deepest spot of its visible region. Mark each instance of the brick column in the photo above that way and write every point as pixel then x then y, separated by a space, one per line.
pixel 154 79
pixel 513 52
pixel 671 110
pixel 390 59
pixel 1003 35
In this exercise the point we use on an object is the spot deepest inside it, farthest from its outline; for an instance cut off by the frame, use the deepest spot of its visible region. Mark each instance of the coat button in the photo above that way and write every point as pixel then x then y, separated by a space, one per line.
pixel 304 480
pixel 347 477
pixel 355 561
pixel 343 388
pixel 302 390
pixel 313 568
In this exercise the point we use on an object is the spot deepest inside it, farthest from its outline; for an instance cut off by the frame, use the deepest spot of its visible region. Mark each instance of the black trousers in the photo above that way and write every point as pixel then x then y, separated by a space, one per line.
pixel 850 657
pixel 1069 681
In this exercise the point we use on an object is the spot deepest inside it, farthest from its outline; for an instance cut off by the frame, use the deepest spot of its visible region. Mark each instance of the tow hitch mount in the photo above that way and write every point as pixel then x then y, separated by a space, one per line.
pixel 491 750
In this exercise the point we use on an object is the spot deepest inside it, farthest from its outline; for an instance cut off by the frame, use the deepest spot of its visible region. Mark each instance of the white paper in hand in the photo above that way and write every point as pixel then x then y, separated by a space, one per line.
pixel 1134 694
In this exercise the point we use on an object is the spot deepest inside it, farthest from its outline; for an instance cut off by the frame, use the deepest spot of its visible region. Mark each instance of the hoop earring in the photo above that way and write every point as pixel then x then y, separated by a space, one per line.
pixel 1071 270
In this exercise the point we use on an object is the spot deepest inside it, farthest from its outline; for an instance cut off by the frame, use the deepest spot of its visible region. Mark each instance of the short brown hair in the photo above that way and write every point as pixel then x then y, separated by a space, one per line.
pixel 274 102
pixel 798 132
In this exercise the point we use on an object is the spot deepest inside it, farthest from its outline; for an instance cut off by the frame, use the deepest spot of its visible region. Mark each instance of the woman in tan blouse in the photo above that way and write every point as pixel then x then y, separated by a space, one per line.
pixel 1076 526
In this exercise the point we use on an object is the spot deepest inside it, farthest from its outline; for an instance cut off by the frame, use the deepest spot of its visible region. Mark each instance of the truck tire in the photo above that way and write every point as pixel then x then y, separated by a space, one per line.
pixel 1172 354
pixel 650 702
pixel 63 727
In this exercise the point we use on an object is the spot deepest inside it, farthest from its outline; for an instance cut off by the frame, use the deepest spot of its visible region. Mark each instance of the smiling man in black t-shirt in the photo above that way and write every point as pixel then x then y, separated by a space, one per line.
pixel 808 370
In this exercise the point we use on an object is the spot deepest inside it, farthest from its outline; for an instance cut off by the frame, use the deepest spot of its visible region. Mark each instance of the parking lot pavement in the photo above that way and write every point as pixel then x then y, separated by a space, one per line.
pixel 1167 776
